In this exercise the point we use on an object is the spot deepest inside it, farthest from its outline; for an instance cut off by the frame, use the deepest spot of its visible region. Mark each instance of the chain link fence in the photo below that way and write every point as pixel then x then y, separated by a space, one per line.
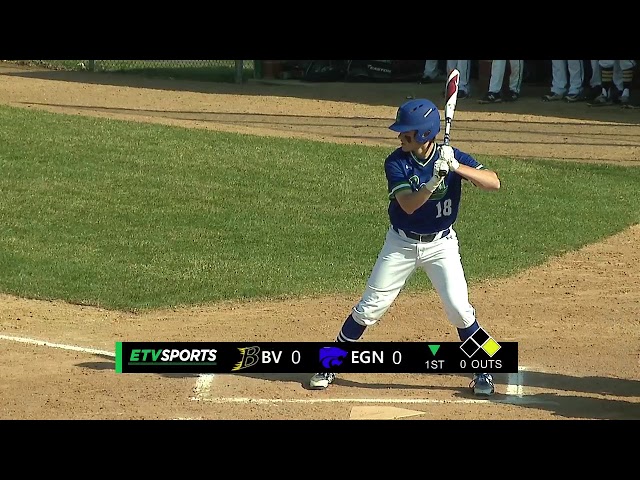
pixel 208 70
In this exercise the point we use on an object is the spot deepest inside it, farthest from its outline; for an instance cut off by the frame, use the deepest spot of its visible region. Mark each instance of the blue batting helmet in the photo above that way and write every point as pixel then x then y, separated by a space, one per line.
pixel 421 115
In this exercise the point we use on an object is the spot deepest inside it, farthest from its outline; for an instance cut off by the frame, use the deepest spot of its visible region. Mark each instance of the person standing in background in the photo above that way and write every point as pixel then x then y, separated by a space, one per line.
pixel 617 79
pixel 498 68
pixel 569 88
pixel 431 72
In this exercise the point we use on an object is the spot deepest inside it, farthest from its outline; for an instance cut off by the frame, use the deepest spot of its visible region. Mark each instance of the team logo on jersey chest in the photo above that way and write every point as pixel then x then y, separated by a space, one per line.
pixel 440 192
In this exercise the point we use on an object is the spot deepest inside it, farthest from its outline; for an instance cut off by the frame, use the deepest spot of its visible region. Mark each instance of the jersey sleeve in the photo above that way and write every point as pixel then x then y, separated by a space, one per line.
pixel 468 160
pixel 396 178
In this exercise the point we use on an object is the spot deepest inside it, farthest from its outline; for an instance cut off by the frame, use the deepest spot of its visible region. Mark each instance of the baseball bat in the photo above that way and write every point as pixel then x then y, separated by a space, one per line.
pixel 451 98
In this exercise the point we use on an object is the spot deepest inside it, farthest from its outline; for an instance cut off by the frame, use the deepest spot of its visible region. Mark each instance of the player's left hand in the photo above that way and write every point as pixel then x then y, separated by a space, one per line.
pixel 441 167
pixel 446 153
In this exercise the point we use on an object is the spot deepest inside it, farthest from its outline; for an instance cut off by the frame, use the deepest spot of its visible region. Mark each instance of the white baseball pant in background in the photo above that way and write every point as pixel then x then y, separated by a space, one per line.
pixel 618 67
pixel 430 69
pixel 498 67
pixel 559 80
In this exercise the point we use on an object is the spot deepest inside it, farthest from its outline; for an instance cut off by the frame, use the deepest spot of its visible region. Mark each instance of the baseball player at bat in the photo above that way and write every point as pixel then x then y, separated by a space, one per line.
pixel 423 207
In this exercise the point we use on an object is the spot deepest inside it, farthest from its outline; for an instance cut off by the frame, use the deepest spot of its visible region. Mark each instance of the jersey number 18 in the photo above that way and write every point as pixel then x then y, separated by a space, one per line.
pixel 444 208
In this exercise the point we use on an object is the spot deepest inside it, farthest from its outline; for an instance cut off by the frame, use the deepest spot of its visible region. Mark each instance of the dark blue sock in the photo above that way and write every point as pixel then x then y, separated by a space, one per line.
pixel 465 333
pixel 351 330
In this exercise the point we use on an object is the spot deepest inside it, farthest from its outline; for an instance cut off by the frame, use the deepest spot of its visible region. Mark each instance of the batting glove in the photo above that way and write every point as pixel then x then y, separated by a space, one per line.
pixel 433 183
pixel 446 153
pixel 441 167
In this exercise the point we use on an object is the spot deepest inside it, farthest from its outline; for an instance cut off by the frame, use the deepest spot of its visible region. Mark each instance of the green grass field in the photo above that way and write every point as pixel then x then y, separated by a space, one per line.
pixel 133 216
pixel 201 70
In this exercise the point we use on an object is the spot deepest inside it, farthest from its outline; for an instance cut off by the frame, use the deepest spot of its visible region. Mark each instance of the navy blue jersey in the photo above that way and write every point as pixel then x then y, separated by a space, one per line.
pixel 405 171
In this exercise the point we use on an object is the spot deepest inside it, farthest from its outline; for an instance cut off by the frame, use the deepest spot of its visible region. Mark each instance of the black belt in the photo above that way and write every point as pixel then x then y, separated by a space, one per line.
pixel 427 237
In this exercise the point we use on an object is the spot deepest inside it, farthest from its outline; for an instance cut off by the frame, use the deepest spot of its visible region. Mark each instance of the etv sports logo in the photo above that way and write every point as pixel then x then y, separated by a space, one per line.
pixel 480 340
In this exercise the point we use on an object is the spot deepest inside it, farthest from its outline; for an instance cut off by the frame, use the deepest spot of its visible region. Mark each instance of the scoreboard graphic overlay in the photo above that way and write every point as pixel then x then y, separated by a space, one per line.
pixel 480 352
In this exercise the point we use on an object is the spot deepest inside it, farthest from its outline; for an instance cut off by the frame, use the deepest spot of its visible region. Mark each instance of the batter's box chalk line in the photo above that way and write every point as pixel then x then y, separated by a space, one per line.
pixel 514 395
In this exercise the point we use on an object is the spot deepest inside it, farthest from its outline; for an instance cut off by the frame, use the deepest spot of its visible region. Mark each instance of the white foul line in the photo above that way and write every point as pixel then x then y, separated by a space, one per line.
pixel 33 341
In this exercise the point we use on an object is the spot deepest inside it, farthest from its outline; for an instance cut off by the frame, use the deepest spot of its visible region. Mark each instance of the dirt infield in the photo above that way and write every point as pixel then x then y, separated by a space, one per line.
pixel 575 317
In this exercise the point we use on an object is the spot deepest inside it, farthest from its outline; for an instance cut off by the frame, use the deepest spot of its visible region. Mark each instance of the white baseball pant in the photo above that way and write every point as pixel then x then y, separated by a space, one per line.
pixel 596 72
pixel 559 80
pixel 398 260
pixel 498 67
pixel 430 69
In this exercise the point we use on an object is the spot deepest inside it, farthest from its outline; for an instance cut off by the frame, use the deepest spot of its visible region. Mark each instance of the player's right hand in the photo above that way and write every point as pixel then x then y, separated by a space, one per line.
pixel 446 153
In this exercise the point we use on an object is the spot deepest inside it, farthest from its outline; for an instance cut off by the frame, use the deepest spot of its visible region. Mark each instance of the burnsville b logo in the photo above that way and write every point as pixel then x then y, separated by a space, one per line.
pixel 249 356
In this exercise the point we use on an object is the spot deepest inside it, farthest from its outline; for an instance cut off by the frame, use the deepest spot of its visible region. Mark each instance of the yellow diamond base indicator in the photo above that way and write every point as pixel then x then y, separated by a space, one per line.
pixel 491 347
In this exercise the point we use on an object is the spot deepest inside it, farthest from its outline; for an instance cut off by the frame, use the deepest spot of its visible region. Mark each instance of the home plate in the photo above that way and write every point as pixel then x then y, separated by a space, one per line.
pixel 381 413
